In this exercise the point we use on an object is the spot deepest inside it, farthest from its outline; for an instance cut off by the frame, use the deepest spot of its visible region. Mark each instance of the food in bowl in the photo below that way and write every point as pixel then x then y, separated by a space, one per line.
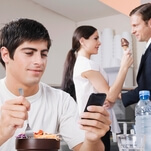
pixel 41 142
pixel 41 134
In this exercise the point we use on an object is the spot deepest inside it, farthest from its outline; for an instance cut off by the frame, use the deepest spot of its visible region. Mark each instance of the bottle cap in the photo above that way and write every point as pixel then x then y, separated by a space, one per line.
pixel 144 92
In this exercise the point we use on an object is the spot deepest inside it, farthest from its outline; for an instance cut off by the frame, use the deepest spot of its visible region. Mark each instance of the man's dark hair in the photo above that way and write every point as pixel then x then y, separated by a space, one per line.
pixel 144 10
pixel 16 32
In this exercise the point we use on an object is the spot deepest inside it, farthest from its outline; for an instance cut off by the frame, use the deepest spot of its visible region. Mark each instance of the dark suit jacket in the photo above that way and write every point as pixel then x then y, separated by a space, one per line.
pixel 143 79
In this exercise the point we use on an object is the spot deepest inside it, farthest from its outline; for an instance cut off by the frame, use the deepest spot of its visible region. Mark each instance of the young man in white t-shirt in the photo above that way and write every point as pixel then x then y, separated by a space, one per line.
pixel 24 46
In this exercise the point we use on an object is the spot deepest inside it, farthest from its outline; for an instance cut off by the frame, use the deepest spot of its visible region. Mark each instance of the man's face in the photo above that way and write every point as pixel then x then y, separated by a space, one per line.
pixel 29 63
pixel 140 28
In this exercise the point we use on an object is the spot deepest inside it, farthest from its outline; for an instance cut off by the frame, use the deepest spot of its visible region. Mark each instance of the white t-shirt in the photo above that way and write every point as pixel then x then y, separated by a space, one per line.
pixel 84 88
pixel 52 110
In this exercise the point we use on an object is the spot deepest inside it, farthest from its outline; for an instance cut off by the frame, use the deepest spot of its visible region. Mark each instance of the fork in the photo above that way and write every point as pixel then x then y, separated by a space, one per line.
pixel 28 131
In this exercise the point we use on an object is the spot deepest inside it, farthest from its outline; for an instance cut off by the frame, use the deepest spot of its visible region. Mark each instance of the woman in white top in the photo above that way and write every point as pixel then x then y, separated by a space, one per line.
pixel 89 77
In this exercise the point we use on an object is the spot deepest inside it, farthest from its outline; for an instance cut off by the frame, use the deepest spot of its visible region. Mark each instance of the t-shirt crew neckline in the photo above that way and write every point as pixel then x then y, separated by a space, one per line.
pixel 31 99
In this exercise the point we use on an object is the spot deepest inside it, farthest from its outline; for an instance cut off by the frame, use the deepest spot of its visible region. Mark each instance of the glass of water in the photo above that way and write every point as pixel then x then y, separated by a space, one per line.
pixel 130 142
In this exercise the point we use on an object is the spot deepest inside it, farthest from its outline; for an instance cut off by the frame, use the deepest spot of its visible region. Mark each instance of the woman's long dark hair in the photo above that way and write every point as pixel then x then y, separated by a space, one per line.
pixel 67 80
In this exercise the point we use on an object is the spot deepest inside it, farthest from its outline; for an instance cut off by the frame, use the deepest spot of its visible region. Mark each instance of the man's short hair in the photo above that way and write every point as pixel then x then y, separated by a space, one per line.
pixel 144 10
pixel 16 32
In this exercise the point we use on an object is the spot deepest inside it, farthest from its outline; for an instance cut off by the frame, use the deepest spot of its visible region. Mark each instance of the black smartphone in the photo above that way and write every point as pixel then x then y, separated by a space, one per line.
pixel 95 99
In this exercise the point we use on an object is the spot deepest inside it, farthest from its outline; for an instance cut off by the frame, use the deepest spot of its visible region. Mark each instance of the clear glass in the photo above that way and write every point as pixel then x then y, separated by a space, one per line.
pixel 131 142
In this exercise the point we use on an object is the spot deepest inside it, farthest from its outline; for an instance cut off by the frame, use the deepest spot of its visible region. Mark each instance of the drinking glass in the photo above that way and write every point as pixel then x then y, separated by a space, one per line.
pixel 130 142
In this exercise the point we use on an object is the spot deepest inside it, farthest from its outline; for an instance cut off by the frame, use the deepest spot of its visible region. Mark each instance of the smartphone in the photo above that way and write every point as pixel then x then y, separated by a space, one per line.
pixel 95 99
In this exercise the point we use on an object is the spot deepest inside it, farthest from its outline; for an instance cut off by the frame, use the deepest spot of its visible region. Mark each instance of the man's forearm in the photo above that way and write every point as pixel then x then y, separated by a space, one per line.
pixel 93 146
pixel 2 139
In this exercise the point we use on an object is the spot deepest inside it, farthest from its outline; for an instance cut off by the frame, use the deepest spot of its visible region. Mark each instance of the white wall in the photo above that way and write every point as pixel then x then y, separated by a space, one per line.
pixel 60 29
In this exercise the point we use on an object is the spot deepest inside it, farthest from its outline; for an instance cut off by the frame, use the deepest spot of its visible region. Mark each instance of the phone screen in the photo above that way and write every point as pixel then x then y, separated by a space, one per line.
pixel 95 99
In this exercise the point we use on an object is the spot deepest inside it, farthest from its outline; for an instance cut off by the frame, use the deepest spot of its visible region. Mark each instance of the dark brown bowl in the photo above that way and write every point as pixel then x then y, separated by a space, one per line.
pixel 37 144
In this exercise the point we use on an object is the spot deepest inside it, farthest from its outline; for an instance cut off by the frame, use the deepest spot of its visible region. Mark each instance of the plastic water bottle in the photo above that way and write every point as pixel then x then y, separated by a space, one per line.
pixel 143 117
